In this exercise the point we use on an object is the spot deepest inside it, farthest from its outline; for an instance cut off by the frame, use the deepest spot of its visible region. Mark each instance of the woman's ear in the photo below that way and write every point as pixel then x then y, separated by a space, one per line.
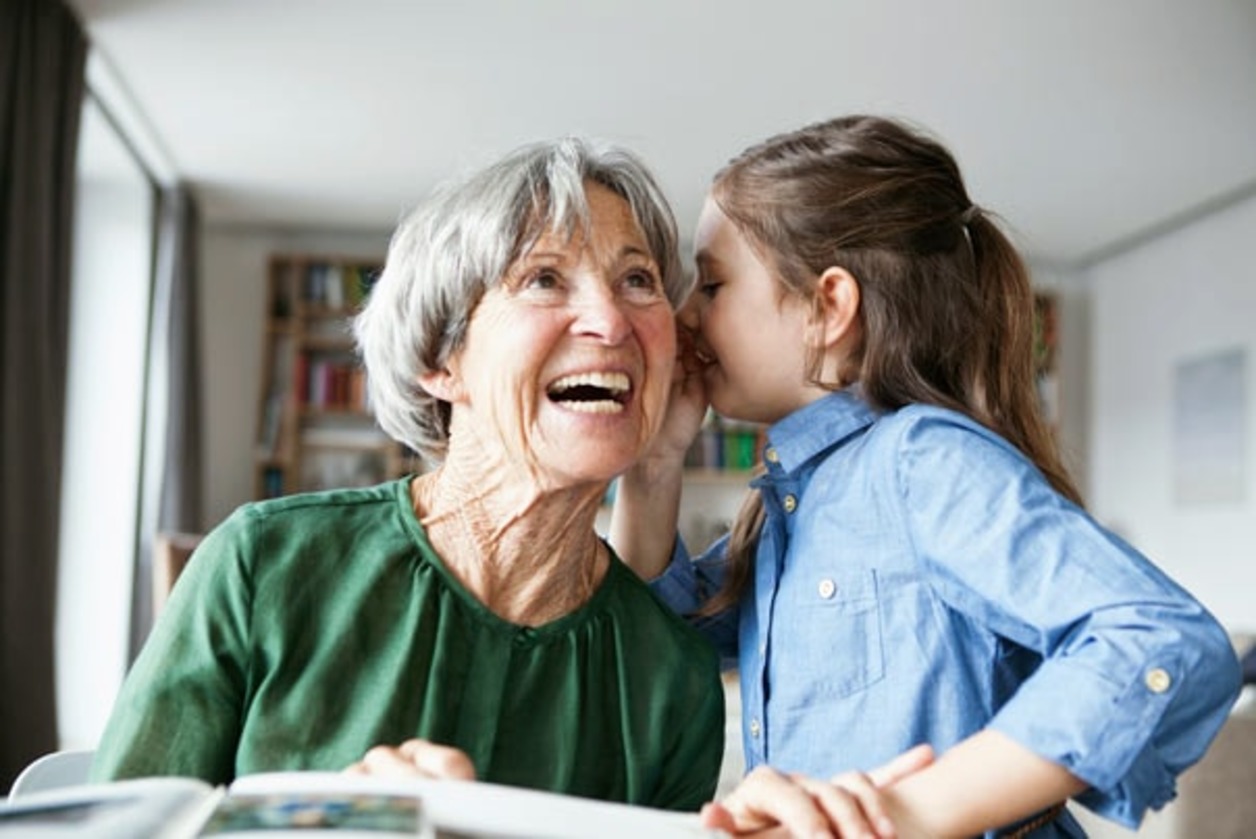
pixel 445 384
pixel 837 307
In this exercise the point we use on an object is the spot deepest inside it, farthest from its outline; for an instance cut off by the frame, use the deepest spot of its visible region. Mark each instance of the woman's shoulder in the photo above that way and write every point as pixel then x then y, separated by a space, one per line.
pixel 298 529
pixel 321 503
pixel 639 613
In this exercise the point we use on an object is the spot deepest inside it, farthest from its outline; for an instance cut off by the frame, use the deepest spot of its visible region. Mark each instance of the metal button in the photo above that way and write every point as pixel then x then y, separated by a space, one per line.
pixel 771 455
pixel 1157 680
pixel 827 588
pixel 791 503
pixel 754 728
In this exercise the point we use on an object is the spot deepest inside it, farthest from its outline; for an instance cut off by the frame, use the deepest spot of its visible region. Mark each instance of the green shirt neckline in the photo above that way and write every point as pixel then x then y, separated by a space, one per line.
pixel 483 613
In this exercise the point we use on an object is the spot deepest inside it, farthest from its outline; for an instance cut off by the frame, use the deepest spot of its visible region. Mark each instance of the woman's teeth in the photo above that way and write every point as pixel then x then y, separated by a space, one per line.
pixel 592 393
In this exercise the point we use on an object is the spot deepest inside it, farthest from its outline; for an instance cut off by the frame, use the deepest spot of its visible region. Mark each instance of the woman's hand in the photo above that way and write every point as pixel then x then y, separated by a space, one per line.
pixel 768 803
pixel 415 759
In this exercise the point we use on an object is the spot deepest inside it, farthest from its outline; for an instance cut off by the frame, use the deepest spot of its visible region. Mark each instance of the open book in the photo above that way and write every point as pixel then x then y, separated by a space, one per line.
pixel 278 804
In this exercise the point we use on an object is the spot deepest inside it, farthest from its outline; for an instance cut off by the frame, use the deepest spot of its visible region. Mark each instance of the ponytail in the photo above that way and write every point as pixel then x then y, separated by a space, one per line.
pixel 946 304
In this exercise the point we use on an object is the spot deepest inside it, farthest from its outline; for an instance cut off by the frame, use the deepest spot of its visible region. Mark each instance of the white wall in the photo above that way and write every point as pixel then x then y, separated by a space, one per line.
pixel 1177 298
pixel 233 293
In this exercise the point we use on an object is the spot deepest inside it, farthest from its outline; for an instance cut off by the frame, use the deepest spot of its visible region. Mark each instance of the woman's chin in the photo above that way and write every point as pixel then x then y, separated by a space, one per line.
pixel 579 465
pixel 615 439
pixel 602 471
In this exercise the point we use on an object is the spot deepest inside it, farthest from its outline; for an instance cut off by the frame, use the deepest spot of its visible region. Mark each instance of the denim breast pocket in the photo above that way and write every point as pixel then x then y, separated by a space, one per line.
pixel 826 639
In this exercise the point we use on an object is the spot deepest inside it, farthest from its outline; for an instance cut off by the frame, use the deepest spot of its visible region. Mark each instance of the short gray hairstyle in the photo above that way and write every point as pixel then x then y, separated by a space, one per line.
pixel 460 243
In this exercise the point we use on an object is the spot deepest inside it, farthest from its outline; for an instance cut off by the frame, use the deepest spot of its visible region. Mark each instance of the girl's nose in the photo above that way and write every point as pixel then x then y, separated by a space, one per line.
pixel 689 315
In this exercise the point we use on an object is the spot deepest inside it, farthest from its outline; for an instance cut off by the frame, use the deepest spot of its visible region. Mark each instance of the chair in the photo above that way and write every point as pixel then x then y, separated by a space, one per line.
pixel 65 768
pixel 171 552
pixel 1215 795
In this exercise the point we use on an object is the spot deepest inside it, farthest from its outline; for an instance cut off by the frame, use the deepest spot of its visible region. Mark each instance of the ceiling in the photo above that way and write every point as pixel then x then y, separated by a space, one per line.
pixel 1085 124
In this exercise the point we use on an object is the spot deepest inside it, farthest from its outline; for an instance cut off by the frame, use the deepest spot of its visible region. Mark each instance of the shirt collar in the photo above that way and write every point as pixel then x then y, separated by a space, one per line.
pixel 818 426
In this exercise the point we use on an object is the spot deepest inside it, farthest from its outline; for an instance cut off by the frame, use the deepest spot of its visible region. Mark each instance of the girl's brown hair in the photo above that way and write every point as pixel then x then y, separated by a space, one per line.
pixel 946 306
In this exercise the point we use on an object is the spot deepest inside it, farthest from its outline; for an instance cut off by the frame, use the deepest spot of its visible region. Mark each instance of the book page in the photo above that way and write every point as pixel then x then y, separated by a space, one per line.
pixel 153 808
pixel 300 812
pixel 477 810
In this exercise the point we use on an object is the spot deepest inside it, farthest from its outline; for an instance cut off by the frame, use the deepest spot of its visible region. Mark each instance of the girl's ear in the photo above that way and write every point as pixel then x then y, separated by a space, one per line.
pixel 837 307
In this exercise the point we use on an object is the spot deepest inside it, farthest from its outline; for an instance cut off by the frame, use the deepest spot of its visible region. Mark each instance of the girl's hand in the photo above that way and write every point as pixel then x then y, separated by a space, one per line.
pixel 415 759
pixel 647 501
pixel 771 804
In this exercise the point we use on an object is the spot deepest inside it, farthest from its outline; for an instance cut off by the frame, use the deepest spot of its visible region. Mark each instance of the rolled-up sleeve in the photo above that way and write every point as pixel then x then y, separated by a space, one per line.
pixel 1137 676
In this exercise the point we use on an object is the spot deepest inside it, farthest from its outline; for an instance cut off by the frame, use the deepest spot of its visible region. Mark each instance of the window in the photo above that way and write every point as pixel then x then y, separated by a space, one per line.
pixel 109 316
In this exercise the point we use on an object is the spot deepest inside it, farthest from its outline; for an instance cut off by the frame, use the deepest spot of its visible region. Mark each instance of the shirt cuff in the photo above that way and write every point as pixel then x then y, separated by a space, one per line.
pixel 677 586
pixel 1072 719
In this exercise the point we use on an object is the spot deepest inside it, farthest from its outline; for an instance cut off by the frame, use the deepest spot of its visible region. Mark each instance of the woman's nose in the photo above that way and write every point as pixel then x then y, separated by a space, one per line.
pixel 602 315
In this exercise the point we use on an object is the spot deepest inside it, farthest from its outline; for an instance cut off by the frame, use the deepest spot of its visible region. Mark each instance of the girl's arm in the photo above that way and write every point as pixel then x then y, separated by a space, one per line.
pixel 647 499
pixel 985 782
pixel 645 517
pixel 1136 676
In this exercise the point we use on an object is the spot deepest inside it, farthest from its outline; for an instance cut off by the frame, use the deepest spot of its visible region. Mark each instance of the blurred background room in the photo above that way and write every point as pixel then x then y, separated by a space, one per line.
pixel 196 194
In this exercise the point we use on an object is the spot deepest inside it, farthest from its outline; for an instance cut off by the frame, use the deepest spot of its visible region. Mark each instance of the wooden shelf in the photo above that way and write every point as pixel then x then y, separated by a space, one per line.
pixel 313 428
pixel 702 475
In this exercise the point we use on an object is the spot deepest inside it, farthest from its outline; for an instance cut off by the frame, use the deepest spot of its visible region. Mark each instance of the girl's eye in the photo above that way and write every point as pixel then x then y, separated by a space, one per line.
pixel 708 289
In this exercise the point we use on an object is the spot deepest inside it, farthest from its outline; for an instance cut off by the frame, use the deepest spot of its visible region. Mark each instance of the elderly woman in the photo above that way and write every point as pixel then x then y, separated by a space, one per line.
pixel 521 338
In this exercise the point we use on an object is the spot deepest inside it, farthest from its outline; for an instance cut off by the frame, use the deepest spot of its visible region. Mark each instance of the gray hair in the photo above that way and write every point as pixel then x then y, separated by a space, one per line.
pixel 461 241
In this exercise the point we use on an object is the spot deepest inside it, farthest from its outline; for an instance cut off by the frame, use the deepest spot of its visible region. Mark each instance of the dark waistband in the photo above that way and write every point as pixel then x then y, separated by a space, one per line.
pixel 1027 825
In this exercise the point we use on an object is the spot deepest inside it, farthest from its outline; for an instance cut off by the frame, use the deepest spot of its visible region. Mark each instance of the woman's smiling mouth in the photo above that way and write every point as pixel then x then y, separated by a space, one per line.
pixel 592 393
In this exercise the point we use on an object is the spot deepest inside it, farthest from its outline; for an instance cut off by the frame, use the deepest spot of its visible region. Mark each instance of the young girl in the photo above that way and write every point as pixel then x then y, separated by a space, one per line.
pixel 914 564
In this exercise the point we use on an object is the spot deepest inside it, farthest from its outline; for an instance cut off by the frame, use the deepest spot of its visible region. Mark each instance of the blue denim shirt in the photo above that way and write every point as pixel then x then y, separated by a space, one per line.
pixel 917 579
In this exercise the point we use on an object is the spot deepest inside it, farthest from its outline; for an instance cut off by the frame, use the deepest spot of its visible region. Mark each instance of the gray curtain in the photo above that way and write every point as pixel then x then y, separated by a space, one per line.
pixel 177 284
pixel 171 494
pixel 42 57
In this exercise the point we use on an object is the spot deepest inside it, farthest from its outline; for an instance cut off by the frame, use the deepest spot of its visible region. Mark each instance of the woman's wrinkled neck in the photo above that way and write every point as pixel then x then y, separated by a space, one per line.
pixel 529 553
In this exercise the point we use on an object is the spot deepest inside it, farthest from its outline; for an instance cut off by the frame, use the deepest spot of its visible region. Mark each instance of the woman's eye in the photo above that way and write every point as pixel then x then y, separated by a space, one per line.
pixel 542 280
pixel 708 289
pixel 642 279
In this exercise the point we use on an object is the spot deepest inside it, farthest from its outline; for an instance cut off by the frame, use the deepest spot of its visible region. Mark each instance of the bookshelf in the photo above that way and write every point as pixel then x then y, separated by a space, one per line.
pixel 725 450
pixel 314 429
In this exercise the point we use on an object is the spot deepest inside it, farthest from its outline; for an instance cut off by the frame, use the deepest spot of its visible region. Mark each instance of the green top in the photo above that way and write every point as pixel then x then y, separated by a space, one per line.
pixel 308 629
